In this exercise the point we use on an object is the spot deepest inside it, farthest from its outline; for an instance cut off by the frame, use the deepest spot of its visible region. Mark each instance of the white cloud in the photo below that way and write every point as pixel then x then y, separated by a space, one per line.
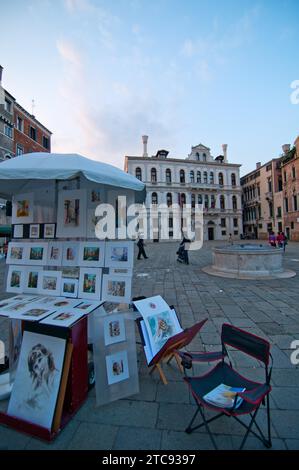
pixel 69 53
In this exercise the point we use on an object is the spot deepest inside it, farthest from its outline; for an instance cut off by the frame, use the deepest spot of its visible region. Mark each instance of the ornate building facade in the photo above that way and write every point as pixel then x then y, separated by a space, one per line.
pixel 198 179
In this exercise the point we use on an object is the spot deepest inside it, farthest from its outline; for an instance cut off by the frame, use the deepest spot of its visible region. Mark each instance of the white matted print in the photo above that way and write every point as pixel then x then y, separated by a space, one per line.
pixel 31 279
pixel 90 283
pixel 70 253
pixel 64 317
pixel 91 223
pixel 71 214
pixel 15 279
pixel 16 253
pixel 38 377
pixel 37 253
pixel 114 329
pixel 33 312
pixel 18 231
pixel 117 367
pixel 22 208
pixel 54 254
pixel 88 306
pixel 119 254
pixel 34 231
pixel 69 287
pixel 49 282
pixel 92 254
pixel 49 230
pixel 116 288
pixel 95 196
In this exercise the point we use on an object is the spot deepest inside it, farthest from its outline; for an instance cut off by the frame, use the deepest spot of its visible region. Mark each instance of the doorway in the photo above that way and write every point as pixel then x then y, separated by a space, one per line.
pixel 211 233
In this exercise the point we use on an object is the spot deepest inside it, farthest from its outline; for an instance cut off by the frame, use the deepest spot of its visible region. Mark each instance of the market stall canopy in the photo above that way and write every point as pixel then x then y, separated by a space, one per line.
pixel 58 166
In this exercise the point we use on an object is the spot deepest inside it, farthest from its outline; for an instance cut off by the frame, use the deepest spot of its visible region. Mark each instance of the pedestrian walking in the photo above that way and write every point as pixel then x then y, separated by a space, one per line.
pixel 284 240
pixel 182 252
pixel 280 240
pixel 230 239
pixel 141 250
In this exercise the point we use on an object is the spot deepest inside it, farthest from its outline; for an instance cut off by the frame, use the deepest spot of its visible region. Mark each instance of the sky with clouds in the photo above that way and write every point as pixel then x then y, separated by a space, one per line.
pixel 102 73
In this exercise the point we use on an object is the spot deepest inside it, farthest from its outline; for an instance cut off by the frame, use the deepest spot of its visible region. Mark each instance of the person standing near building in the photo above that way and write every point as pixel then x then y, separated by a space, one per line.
pixel 141 250
pixel 272 239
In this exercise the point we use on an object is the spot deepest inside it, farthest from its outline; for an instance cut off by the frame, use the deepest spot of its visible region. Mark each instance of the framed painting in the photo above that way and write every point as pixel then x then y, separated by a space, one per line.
pixel 33 312
pixel 22 208
pixel 114 329
pixel 54 253
pixel 119 254
pixel 92 254
pixel 71 214
pixel 15 279
pixel 37 253
pixel 31 279
pixel 38 377
pixel 49 230
pixel 16 253
pixel 72 273
pixel 34 230
pixel 116 288
pixel 69 287
pixel 90 283
pixel 18 231
pixel 117 367
pixel 95 196
pixel 91 223
pixel 49 283
pixel 70 253
pixel 65 317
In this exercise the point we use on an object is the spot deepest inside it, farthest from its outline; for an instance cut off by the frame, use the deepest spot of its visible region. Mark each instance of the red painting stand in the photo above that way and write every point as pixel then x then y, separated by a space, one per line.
pixel 170 348
pixel 77 384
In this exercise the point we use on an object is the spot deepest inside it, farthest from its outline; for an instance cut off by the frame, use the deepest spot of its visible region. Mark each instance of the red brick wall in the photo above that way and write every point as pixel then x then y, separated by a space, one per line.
pixel 23 138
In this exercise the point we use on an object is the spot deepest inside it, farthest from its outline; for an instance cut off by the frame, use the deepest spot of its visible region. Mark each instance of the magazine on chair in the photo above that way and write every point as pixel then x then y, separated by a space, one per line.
pixel 224 396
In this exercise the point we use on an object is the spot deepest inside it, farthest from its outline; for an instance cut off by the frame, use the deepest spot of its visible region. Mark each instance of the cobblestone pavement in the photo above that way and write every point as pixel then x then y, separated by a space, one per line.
pixel 157 416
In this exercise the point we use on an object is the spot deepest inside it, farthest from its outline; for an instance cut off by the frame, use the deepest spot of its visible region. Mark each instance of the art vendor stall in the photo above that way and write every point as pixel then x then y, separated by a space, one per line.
pixel 62 277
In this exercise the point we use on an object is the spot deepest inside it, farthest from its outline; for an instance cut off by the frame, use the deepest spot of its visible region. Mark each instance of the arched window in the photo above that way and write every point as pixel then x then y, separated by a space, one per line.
pixel 206 201
pixel 138 173
pixel 234 200
pixel 205 177
pixel 233 178
pixel 213 201
pixel 220 179
pixel 199 199
pixel 192 200
pixel 197 156
pixel 183 199
pixel 153 175
pixel 169 199
pixel 168 175
pixel 182 176
pixel 222 202
pixel 191 176
pixel 154 198
pixel 198 177
pixel 204 157
pixel 211 177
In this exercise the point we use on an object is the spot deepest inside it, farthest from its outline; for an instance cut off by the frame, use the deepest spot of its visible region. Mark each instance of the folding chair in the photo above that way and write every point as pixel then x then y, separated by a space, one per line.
pixel 255 393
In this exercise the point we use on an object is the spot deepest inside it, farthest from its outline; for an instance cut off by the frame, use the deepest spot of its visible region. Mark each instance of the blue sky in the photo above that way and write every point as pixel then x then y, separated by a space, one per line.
pixel 102 73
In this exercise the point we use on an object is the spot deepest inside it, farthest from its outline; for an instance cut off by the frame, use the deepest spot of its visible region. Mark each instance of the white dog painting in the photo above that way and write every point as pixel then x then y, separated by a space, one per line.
pixel 37 382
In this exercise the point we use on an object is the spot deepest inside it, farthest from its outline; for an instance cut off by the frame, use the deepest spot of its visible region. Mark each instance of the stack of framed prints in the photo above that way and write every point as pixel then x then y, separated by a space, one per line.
pixel 115 357
pixel 51 379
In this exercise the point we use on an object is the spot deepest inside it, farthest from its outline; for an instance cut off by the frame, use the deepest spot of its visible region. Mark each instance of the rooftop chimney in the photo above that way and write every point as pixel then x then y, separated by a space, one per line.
pixel 285 148
pixel 258 165
pixel 224 149
pixel 1 69
pixel 144 141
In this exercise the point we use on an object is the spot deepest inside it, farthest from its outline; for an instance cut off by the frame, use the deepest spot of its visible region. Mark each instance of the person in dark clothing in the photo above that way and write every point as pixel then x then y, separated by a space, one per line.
pixel 182 252
pixel 141 250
